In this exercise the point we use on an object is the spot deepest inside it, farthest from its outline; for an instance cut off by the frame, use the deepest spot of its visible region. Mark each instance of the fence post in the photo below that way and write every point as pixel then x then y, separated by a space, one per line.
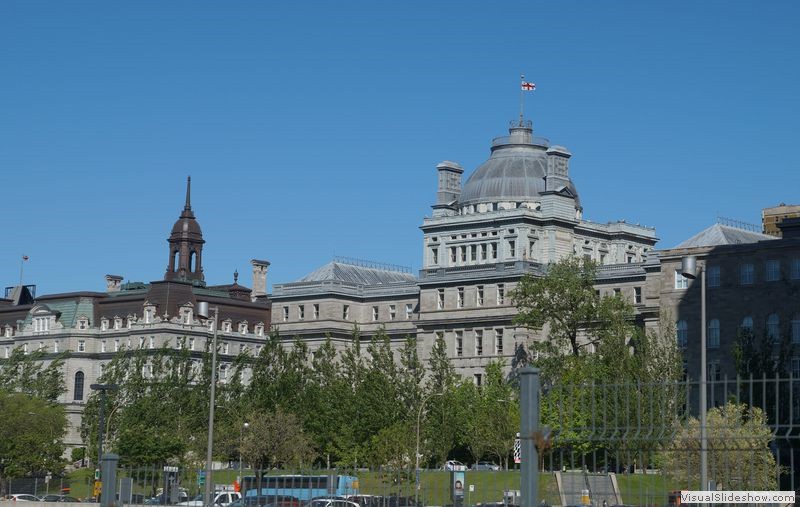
pixel 529 425
pixel 108 473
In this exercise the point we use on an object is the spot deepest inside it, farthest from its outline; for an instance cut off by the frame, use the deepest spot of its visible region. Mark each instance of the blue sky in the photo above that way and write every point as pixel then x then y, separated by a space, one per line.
pixel 314 128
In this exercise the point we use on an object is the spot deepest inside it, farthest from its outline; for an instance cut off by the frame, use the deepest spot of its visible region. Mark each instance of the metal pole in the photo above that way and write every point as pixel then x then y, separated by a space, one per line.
pixel 241 443
pixel 703 386
pixel 521 100
pixel 100 428
pixel 416 468
pixel 209 479
pixel 529 426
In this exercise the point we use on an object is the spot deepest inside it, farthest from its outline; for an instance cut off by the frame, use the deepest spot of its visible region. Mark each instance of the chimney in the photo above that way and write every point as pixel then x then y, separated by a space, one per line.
pixel 557 168
pixel 113 283
pixel 449 182
pixel 259 288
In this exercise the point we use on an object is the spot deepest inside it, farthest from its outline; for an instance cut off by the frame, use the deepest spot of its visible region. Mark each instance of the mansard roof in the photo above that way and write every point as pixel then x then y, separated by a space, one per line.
pixel 720 234
pixel 359 273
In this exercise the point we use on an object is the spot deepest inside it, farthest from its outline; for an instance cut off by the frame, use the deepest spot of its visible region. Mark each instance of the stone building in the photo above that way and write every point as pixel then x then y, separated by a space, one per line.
pixel 90 327
pixel 517 212
pixel 752 282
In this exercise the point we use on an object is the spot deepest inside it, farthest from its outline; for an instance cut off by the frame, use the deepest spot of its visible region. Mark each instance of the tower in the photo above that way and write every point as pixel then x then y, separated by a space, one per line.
pixel 186 245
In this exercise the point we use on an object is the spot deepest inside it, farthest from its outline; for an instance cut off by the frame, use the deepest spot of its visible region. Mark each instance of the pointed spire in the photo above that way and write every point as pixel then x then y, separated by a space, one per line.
pixel 188 205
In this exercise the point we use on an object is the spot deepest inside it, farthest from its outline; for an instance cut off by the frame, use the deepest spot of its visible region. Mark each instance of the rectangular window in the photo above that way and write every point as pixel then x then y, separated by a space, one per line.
pixel 285 313
pixel 681 282
pixel 392 312
pixel 316 311
pixel 225 348
pixel 435 255
pixel 453 255
pixel 191 343
pixel 374 313
pixel 637 295
pixel 483 252
pixel 478 379
pixel 773 270
pixel 796 367
pixel 796 271
pixel 460 300
pixel 478 342
pixel 714 371
pixel 498 342
pixel 409 311
pixel 473 253
pixel 55 347
pixel 81 345
pixel 346 312
pixel 151 344
pixel 494 250
pixel 463 254
pixel 301 312
pixel 617 291
pixel 501 294
pixel 712 278
pixel 459 343
pixel 440 299
pixel 713 334
pixel 796 330
pixel 103 346
pixel 479 296
pixel 512 249
pixel 746 272
pixel 116 345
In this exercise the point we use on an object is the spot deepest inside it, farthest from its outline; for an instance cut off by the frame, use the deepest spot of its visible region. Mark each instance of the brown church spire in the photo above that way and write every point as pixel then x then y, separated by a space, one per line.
pixel 186 245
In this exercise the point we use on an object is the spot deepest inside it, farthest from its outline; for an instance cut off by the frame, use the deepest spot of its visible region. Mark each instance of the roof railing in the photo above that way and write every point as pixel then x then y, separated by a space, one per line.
pixel 371 264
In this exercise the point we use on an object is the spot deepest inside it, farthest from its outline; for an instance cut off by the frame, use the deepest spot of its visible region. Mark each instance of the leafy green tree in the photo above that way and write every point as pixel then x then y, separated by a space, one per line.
pixel 392 447
pixel 31 433
pixel 739 455
pixel 276 439
pixel 442 426
pixel 33 373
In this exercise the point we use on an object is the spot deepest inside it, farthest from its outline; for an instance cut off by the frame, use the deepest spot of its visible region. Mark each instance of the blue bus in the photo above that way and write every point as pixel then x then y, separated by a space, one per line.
pixel 302 487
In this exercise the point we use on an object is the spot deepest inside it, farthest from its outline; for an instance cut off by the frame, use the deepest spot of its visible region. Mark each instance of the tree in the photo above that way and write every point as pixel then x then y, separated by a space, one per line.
pixel 442 424
pixel 33 374
pixel 276 439
pixel 30 435
pixel 739 455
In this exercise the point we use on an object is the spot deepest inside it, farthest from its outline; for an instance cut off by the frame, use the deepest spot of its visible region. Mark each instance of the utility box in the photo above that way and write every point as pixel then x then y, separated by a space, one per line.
pixel 512 497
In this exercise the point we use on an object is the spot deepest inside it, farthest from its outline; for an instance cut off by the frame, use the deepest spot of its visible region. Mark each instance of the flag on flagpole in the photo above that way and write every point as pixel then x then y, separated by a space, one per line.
pixel 528 87
pixel 24 257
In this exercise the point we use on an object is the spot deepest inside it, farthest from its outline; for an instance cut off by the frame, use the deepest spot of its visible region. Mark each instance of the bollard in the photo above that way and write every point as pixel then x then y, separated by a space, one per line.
pixel 529 425
pixel 108 475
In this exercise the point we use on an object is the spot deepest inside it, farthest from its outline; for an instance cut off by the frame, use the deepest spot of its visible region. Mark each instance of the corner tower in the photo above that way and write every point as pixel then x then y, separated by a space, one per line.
pixel 186 245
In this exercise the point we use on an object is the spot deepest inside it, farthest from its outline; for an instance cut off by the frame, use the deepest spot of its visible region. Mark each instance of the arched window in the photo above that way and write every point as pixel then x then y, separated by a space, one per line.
pixel 713 334
pixel 796 328
pixel 683 333
pixel 773 327
pixel 78 389
pixel 747 324
pixel 175 262
pixel 191 261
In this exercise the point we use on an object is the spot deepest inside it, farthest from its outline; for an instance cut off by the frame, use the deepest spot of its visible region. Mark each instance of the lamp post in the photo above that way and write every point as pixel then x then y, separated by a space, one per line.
pixel 103 388
pixel 416 468
pixel 203 311
pixel 689 269
pixel 241 442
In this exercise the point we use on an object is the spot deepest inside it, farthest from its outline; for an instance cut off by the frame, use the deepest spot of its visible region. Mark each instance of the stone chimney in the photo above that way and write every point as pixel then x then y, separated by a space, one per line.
pixel 557 168
pixel 449 188
pixel 113 283
pixel 259 288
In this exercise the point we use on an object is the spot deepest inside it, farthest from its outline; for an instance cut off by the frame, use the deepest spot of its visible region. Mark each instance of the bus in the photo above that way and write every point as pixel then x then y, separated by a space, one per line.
pixel 302 487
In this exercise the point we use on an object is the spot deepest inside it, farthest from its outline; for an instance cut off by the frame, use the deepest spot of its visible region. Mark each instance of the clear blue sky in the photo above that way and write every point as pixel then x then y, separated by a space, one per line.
pixel 314 128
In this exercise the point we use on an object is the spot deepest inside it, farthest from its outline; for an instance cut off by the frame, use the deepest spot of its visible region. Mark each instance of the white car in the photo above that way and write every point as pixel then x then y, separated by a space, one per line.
pixel 223 498
pixel 22 497
pixel 454 466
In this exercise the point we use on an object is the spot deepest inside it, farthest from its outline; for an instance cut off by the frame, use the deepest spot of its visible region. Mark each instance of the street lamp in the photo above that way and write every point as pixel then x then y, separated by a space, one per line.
pixel 689 269
pixel 202 311
pixel 103 388
pixel 416 469
pixel 241 443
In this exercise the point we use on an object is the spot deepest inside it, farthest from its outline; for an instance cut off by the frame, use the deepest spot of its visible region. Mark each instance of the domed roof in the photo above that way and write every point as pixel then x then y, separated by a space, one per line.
pixel 186 224
pixel 515 170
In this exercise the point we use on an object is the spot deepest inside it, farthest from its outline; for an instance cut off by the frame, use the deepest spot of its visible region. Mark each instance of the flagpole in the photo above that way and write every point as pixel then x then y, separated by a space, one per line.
pixel 21 265
pixel 521 100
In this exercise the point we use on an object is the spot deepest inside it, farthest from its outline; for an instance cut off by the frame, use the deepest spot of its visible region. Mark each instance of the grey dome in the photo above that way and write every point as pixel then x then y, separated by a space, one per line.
pixel 515 171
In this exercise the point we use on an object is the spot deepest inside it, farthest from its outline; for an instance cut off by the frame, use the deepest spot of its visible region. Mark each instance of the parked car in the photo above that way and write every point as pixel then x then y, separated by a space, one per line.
pixel 22 497
pixel 267 501
pixel 223 498
pixel 59 498
pixel 454 466
pixel 486 465
pixel 331 502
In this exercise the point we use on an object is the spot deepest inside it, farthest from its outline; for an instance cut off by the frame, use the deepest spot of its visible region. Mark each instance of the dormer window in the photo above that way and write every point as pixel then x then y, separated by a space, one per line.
pixel 243 327
pixel 259 330
pixel 8 331
pixel 117 322
pixel 104 324
pixel 227 325
pixel 149 313
pixel 187 314
pixel 41 324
